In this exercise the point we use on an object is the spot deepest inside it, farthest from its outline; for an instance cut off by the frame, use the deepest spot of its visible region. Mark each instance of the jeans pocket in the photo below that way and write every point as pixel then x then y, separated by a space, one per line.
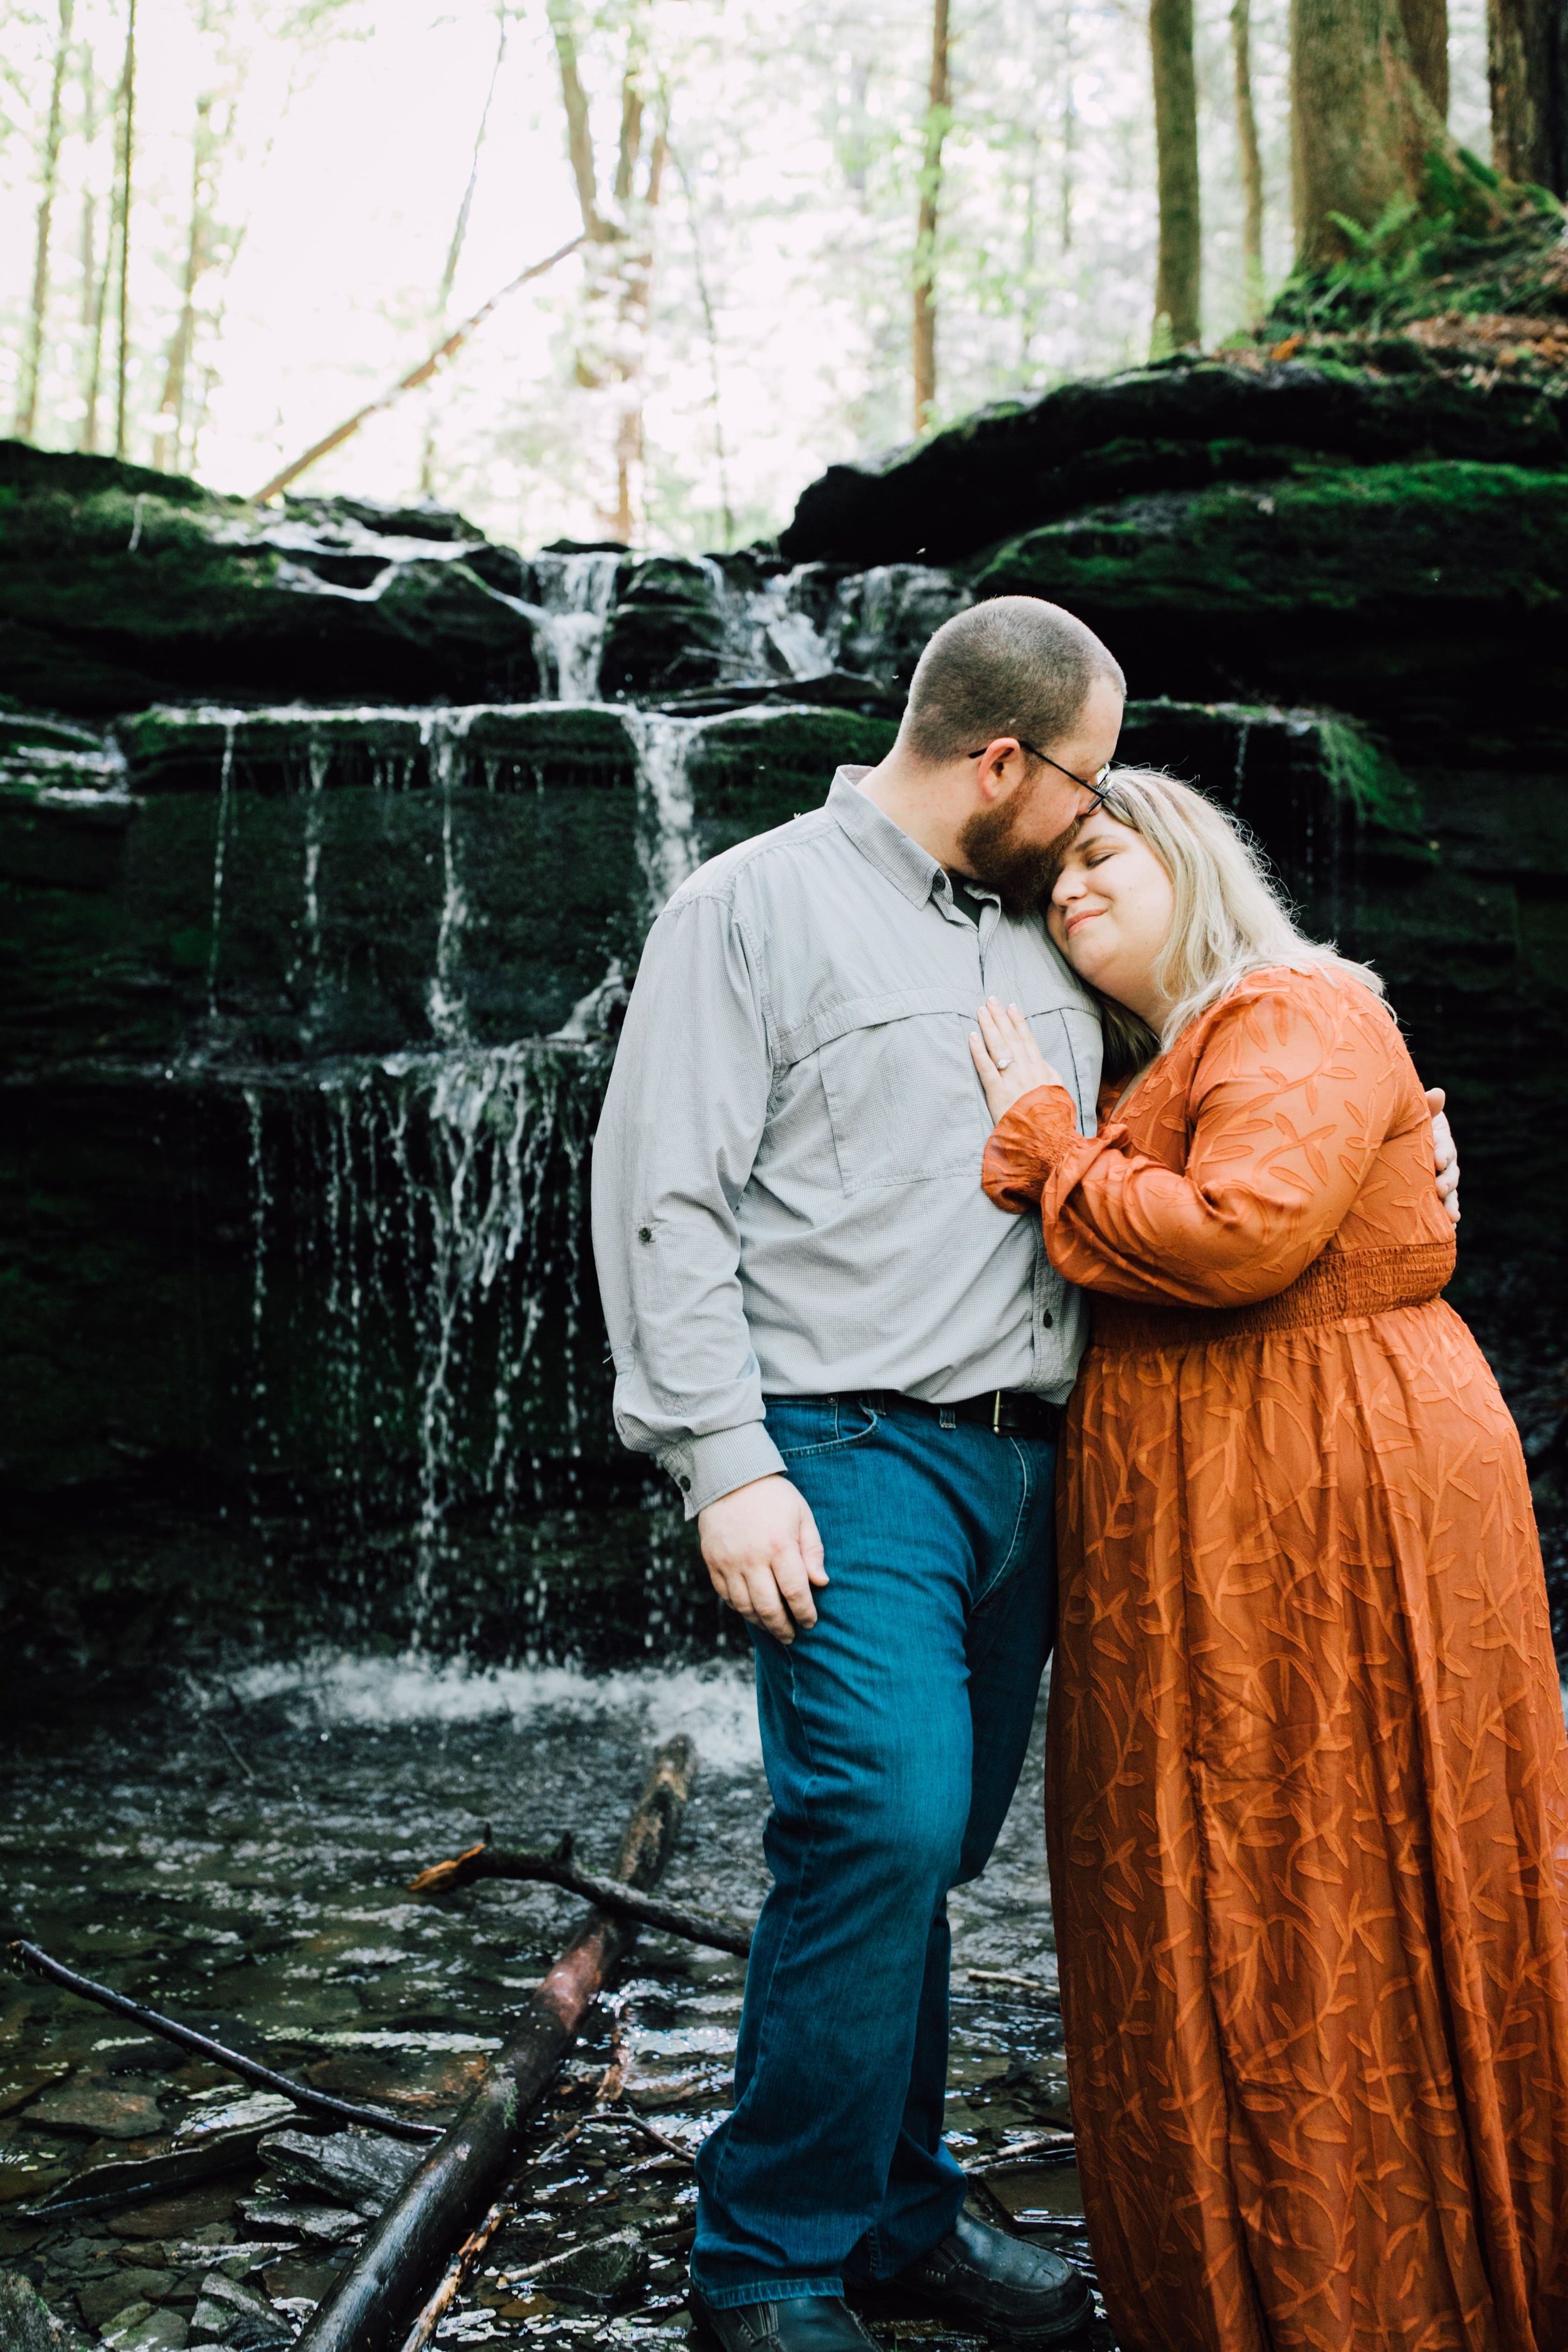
pixel 802 1426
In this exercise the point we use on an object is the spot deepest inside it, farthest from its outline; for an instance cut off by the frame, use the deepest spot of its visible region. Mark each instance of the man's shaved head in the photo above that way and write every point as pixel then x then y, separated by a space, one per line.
pixel 1015 665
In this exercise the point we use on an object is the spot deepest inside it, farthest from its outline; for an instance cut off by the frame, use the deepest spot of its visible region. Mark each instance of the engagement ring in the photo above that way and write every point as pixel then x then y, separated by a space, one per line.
pixel 1005 1062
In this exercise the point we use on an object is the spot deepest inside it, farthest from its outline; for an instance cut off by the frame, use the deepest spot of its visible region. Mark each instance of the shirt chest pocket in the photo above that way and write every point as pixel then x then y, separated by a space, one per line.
pixel 903 1102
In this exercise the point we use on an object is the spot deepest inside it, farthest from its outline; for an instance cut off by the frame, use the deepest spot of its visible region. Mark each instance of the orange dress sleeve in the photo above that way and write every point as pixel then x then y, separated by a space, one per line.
pixel 1295 1086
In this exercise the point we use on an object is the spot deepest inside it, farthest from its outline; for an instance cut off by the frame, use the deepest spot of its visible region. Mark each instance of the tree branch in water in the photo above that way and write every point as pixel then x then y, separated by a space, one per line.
pixel 315 2103
pixel 557 1868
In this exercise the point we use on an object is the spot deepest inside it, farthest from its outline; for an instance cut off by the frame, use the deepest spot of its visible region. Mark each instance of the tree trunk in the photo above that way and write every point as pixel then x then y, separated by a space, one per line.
pixel 1526 65
pixel 1362 126
pixel 127 152
pixel 96 272
pixel 1178 285
pixel 1426 38
pixel 172 415
pixel 612 352
pixel 455 249
pixel 33 356
pixel 1251 161
pixel 939 114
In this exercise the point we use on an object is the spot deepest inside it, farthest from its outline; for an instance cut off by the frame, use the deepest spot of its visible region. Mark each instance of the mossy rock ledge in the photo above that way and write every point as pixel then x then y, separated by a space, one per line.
pixel 120 587
pixel 1180 426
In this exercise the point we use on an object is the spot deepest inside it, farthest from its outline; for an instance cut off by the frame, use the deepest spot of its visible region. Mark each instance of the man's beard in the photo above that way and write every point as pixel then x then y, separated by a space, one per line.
pixel 1020 872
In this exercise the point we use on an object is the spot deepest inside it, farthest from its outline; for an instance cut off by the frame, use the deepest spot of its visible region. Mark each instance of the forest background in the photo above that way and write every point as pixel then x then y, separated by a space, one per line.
pixel 225 225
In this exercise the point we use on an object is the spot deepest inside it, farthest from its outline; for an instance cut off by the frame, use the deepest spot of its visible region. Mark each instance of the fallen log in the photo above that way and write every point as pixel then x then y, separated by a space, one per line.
pixel 557 1868
pixel 457 2276
pixel 185 2037
pixel 446 2199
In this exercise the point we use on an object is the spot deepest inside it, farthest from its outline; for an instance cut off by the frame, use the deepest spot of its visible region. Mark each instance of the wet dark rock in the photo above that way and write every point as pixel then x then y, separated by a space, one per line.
pixel 107 2295
pixel 26 2323
pixel 229 2312
pixel 348 2167
pixel 98 2112
pixel 594 2277
pixel 667 630
pixel 1180 426
pixel 119 586
pixel 1403 593
pixel 289 2217
pixel 20 2085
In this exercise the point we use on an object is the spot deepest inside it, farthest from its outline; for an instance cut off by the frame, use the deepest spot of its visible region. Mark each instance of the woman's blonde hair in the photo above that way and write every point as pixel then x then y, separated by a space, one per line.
pixel 1229 918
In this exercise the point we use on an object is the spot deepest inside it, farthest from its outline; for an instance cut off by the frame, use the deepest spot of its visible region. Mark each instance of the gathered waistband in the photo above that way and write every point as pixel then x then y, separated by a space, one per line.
pixel 1335 1286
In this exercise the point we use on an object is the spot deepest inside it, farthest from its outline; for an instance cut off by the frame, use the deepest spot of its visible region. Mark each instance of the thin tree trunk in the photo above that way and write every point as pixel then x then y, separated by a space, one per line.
pixel 459 233
pixel 33 357
pixel 721 457
pixel 611 352
pixel 96 274
pixel 1526 65
pixel 127 153
pixel 1069 137
pixel 1178 285
pixel 1426 38
pixel 1251 162
pixel 939 114
pixel 632 315
pixel 166 445
pixel 579 136
pixel 1362 126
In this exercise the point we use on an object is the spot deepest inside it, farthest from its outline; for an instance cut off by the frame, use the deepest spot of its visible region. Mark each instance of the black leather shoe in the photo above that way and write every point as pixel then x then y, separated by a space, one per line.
pixel 983 2280
pixel 802 2322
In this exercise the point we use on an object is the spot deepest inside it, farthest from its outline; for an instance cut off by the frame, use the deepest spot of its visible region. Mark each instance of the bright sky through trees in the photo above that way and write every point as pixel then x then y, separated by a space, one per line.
pixel 320 150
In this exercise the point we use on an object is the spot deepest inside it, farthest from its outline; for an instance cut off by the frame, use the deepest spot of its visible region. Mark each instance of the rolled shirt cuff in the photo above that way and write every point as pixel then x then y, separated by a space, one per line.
pixel 706 1467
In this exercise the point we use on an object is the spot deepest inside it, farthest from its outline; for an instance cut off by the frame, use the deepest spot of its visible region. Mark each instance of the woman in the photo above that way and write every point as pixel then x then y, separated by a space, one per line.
pixel 1308 1782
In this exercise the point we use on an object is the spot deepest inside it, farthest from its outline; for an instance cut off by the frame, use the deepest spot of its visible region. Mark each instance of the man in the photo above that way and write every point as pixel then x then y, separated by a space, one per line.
pixel 853 1366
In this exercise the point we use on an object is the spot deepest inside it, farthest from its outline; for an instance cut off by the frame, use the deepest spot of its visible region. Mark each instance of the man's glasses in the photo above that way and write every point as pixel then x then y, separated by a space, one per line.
pixel 1098 785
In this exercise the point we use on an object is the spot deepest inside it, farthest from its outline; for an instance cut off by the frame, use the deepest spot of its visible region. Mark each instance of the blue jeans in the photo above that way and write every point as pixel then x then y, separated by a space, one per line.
pixel 893 1734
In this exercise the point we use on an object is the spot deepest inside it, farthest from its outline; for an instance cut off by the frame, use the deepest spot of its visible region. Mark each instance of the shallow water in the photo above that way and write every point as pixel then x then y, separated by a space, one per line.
pixel 241 1860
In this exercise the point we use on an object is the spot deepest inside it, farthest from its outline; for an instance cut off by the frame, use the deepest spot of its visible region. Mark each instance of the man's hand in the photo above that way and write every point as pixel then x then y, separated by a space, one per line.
pixel 1443 1151
pixel 765 1555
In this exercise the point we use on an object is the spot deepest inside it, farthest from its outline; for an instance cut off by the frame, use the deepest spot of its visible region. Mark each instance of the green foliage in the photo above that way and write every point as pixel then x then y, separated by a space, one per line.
pixel 1472 242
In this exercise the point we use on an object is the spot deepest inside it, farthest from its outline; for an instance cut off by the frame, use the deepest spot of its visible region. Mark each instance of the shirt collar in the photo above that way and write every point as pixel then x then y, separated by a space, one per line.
pixel 895 854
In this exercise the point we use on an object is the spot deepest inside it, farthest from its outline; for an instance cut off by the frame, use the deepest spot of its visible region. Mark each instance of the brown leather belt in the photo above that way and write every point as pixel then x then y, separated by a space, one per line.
pixel 1007 1412
pixel 1335 1288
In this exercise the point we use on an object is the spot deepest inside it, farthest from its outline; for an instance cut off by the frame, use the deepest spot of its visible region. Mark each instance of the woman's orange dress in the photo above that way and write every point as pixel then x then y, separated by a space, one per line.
pixel 1307 1793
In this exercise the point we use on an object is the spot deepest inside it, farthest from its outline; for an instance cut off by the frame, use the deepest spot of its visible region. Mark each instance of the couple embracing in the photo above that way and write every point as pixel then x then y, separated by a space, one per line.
pixel 996 1112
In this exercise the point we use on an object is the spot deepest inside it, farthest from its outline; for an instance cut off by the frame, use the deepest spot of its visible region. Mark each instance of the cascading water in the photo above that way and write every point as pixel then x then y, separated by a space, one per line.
pixel 575 594
pixel 424 1344
pixel 667 835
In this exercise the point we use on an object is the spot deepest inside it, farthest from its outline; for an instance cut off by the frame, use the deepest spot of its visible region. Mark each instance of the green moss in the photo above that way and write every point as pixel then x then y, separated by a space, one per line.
pixel 756 769
pixel 1468 245
pixel 1330 538
pixel 114 593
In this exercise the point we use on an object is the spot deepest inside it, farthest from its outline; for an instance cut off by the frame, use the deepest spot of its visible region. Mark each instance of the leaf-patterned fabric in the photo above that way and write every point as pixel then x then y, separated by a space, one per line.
pixel 1306 1787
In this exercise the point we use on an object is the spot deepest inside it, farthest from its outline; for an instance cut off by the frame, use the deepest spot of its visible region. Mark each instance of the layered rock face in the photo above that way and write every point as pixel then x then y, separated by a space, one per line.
pixel 328 838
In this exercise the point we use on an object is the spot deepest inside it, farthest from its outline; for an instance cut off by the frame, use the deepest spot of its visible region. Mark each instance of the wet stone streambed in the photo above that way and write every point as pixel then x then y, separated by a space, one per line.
pixel 242 1861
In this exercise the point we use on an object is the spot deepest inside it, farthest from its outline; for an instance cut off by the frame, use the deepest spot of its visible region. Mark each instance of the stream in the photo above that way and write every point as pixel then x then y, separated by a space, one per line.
pixel 241 1860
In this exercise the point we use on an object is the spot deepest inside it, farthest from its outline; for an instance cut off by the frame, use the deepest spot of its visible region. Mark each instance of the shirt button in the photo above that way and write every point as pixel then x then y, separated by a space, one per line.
pixel 683 1482
pixel 645 1232
pixel 1046 1318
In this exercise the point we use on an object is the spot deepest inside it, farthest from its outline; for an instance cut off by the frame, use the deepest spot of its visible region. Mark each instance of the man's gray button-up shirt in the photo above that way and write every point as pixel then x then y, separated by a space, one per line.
pixel 786 1176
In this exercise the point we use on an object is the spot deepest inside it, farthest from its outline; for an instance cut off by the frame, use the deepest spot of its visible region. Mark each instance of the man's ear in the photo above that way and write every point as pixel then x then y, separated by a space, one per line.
pixel 1002 768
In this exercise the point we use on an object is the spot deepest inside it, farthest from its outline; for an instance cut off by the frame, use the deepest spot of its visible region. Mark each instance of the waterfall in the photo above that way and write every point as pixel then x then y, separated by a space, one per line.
pixel 569 620
pixel 442 732
pixel 429 1323
pixel 220 853
pixel 667 820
